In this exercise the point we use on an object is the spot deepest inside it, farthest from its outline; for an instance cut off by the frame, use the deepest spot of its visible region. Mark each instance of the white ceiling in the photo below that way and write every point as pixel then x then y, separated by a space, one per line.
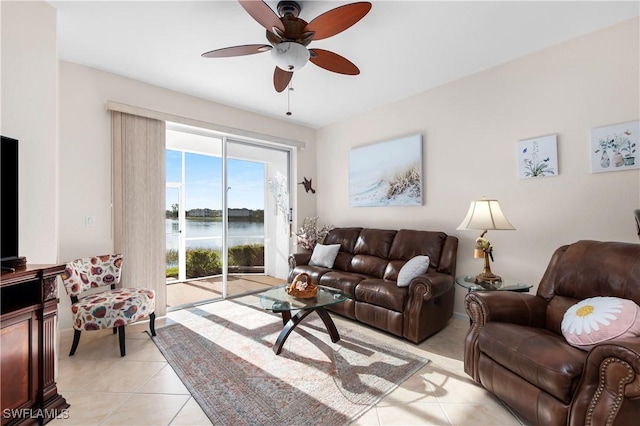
pixel 401 48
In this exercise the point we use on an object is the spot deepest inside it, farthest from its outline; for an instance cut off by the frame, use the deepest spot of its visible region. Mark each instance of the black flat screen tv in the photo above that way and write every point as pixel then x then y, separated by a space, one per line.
pixel 8 201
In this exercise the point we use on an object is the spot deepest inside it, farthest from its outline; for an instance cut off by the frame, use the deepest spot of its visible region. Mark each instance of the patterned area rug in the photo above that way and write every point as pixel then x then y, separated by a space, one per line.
pixel 227 363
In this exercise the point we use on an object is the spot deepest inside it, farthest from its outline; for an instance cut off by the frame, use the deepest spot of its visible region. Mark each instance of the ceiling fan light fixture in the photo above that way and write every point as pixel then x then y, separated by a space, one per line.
pixel 289 36
pixel 290 56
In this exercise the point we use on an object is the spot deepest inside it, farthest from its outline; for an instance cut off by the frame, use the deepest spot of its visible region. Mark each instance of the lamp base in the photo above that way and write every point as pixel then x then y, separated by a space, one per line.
pixel 488 278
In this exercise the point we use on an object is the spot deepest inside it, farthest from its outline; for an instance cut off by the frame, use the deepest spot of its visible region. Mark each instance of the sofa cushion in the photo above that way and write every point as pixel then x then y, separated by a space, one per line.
pixel 414 267
pixel 344 281
pixel 393 269
pixel 382 293
pixel 599 319
pixel 374 242
pixel 346 237
pixel 539 356
pixel 368 265
pixel 343 261
pixel 324 255
pixel 408 244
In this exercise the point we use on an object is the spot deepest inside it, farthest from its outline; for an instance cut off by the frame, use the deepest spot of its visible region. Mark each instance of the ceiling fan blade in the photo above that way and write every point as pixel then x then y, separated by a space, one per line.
pixel 333 62
pixel 247 49
pixel 337 20
pixel 262 13
pixel 281 79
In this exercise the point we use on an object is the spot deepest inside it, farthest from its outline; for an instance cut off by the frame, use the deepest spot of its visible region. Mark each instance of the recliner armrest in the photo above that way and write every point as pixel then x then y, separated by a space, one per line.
pixel 506 306
pixel 609 392
pixel 498 306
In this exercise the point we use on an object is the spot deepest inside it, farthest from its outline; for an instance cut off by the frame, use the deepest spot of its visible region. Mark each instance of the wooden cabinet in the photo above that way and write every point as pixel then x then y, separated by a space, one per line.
pixel 28 309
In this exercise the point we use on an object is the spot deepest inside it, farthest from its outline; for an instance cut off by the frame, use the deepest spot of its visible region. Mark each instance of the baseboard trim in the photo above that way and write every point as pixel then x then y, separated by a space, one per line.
pixel 461 316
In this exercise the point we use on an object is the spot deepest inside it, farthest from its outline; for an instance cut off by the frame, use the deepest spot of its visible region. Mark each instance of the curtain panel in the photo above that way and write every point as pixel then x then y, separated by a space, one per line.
pixel 139 202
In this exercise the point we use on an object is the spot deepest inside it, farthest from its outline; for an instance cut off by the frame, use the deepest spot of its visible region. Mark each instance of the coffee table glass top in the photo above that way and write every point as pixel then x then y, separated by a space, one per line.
pixel 468 282
pixel 276 299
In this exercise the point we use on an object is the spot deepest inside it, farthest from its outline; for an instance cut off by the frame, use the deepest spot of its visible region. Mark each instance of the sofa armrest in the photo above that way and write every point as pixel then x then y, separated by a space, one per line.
pixel 498 306
pixel 429 305
pixel 609 392
pixel 430 285
pixel 296 259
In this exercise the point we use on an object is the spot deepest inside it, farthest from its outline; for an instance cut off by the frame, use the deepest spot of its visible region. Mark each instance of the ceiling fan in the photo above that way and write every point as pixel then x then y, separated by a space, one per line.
pixel 289 37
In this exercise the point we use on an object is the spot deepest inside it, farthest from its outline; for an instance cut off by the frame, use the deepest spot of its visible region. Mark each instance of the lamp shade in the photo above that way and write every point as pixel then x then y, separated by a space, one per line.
pixel 290 56
pixel 485 215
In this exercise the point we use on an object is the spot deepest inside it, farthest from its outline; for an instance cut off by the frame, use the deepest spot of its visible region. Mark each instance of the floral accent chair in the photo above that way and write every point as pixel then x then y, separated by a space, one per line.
pixel 113 308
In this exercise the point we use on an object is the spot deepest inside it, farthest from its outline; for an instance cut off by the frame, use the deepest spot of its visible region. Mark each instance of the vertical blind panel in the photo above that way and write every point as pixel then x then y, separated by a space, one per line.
pixel 139 202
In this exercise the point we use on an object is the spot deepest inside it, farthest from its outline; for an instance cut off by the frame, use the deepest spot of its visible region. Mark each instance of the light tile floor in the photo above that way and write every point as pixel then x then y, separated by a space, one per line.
pixel 208 289
pixel 142 388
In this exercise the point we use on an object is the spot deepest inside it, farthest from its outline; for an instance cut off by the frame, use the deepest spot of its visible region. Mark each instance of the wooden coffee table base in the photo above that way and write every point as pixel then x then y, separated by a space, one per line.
pixel 290 323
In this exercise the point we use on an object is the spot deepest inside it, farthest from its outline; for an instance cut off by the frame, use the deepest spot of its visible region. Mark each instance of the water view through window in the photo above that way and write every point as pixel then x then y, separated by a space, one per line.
pixel 239 233
pixel 194 231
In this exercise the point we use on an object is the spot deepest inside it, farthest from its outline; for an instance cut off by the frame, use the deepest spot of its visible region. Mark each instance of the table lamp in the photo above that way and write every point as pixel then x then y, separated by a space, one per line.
pixel 485 215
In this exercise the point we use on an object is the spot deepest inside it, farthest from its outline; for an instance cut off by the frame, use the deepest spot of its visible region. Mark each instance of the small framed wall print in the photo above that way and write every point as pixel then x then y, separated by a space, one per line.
pixel 615 148
pixel 538 157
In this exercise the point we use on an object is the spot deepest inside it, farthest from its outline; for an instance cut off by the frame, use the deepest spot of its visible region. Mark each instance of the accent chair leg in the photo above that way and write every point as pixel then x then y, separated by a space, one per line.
pixel 152 323
pixel 115 330
pixel 121 338
pixel 76 340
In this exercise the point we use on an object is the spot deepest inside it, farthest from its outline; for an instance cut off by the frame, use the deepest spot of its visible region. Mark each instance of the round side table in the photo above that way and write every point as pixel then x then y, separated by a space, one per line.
pixel 469 282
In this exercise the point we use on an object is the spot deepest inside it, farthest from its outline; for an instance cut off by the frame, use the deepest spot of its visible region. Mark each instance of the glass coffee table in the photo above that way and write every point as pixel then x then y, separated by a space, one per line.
pixel 277 300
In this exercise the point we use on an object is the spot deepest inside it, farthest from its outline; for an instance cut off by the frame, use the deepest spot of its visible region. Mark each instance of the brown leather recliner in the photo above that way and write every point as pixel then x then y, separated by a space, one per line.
pixel 516 350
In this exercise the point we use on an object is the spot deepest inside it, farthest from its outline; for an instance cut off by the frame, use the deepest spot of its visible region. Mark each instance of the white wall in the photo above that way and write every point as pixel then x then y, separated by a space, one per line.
pixel 30 114
pixel 470 129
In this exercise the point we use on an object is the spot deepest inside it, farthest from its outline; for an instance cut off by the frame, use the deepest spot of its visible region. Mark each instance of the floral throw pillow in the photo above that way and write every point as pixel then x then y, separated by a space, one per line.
pixel 599 319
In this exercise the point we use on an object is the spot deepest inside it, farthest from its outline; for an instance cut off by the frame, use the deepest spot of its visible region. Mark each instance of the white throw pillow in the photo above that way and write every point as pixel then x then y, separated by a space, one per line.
pixel 414 267
pixel 324 255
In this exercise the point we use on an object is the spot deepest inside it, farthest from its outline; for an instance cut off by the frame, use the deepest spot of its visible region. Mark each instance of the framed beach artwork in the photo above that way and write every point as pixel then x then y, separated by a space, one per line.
pixel 538 157
pixel 615 147
pixel 386 173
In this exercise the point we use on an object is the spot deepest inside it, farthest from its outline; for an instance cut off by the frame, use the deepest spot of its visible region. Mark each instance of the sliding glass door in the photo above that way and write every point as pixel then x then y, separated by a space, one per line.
pixel 258 208
pixel 173 228
pixel 203 215
pixel 227 216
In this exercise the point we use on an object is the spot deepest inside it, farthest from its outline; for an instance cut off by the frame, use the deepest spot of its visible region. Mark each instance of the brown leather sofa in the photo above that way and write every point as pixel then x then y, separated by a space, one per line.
pixel 366 269
pixel 515 347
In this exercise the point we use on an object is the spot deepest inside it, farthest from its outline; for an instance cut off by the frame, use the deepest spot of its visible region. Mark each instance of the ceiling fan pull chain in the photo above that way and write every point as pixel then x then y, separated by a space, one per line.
pixel 289 90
